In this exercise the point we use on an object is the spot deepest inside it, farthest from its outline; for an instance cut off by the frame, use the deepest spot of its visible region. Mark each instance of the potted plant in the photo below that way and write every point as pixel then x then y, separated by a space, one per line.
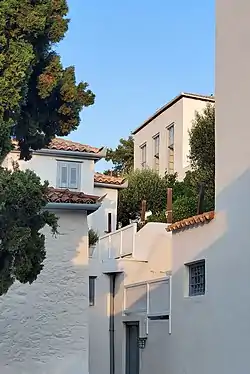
pixel 93 239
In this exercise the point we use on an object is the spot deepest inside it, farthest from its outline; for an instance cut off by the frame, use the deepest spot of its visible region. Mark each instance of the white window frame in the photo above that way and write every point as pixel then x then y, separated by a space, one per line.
pixel 170 129
pixel 68 183
pixel 143 150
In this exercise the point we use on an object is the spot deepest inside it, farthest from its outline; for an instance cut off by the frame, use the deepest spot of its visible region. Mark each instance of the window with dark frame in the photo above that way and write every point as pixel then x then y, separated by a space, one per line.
pixel 143 155
pixel 197 281
pixel 92 280
pixel 156 140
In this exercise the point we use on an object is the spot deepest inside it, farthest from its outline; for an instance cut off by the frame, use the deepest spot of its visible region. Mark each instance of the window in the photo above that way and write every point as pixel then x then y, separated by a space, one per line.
pixel 68 175
pixel 156 148
pixel 171 149
pixel 171 137
pixel 92 291
pixel 196 278
pixel 143 155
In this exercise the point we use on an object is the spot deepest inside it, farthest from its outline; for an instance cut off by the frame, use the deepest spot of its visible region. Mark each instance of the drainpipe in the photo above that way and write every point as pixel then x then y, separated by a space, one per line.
pixel 112 278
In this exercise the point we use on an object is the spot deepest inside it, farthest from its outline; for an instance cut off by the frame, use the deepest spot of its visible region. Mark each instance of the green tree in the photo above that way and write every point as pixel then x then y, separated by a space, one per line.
pixel 122 157
pixel 142 185
pixel 202 159
pixel 39 99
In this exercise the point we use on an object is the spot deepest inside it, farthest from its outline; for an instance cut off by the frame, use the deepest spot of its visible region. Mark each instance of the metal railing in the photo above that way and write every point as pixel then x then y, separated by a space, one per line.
pixel 119 243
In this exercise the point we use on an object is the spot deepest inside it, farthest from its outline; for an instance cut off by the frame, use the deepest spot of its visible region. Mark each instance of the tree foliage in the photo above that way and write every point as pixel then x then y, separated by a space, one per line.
pixel 142 185
pixel 122 157
pixel 39 99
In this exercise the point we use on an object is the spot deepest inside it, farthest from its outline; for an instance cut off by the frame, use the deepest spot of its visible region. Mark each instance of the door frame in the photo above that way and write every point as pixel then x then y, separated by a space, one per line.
pixel 126 325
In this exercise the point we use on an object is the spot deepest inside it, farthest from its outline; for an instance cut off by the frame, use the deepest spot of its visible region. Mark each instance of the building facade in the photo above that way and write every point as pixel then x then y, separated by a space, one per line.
pixel 45 326
pixel 162 141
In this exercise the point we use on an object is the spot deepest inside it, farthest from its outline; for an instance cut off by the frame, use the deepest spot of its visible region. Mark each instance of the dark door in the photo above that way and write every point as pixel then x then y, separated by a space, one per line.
pixel 132 348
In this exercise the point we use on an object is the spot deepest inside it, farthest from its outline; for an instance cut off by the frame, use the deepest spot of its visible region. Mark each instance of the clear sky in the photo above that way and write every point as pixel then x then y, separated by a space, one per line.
pixel 137 55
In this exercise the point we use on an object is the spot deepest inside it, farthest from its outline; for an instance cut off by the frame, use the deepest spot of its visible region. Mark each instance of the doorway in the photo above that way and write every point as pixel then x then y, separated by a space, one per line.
pixel 132 348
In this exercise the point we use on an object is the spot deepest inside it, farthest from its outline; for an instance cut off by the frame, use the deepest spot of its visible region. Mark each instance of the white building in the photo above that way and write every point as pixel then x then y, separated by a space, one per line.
pixel 44 326
pixel 204 325
pixel 162 141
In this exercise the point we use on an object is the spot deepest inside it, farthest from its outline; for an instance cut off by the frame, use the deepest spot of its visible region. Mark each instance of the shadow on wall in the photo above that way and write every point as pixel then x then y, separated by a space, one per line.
pixel 204 333
pixel 99 219
pixel 44 326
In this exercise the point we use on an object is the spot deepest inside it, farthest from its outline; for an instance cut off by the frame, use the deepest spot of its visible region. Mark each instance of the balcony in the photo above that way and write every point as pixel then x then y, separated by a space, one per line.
pixel 150 298
pixel 117 244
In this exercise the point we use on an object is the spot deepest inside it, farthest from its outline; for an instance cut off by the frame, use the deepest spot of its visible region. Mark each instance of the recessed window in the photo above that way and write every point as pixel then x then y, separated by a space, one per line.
pixel 143 155
pixel 156 147
pixel 170 156
pixel 92 281
pixel 197 282
pixel 68 175
pixel 171 136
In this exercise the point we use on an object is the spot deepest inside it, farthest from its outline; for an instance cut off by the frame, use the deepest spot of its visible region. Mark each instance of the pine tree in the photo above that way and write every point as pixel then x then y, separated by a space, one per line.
pixel 39 99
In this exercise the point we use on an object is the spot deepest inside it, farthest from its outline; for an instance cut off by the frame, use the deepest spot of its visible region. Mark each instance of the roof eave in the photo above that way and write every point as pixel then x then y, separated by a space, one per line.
pixel 89 208
pixel 112 186
pixel 72 154
pixel 170 103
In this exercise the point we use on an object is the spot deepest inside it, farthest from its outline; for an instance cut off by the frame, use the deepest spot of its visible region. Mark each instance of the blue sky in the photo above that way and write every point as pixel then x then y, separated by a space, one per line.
pixel 137 55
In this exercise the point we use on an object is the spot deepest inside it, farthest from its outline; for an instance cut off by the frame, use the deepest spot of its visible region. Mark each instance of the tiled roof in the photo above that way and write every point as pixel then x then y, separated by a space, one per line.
pixel 191 221
pixel 60 144
pixel 66 196
pixel 108 179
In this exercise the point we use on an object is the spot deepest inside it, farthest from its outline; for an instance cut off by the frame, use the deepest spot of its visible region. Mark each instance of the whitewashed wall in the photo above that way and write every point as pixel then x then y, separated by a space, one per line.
pixel 46 168
pixel 44 326
pixel 153 249
pixel 99 219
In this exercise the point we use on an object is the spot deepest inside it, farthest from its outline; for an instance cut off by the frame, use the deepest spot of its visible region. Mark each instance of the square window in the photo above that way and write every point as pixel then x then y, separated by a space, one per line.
pixel 69 175
pixel 197 278
pixel 92 290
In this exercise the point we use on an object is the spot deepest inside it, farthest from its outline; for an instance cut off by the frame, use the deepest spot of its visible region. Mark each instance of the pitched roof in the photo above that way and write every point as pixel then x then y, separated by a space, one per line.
pixel 109 179
pixel 191 221
pixel 60 144
pixel 56 195
pixel 210 99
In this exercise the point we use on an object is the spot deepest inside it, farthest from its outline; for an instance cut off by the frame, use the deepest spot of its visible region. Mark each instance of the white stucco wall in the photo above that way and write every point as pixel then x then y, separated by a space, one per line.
pixel 211 333
pixel 99 219
pixel 46 168
pixel 44 326
pixel 182 114
pixel 153 245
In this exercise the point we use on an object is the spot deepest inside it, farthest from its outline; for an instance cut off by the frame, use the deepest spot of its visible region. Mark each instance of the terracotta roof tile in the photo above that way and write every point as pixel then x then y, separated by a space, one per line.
pixel 191 221
pixel 60 144
pixel 108 179
pixel 66 196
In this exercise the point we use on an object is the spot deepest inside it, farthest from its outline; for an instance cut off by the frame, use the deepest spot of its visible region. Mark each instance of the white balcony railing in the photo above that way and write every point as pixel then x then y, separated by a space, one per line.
pixel 151 298
pixel 119 243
